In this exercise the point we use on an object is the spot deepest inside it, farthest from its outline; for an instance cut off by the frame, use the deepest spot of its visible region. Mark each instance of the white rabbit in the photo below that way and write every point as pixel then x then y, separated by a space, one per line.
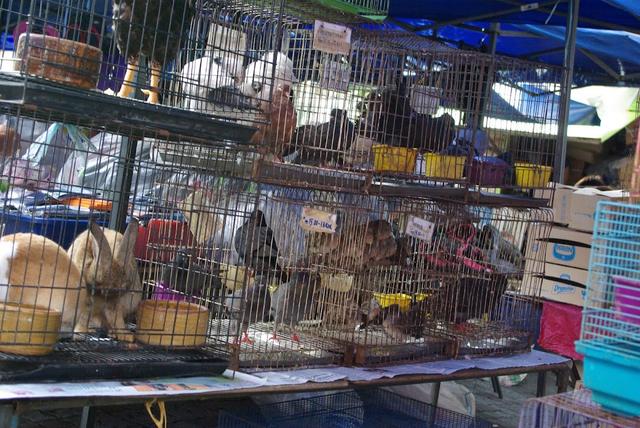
pixel 36 271
pixel 108 265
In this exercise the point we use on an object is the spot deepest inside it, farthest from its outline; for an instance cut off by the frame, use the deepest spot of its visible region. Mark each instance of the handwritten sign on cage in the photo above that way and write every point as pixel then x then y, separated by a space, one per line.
pixel 314 220
pixel 331 38
pixel 419 228
pixel 335 75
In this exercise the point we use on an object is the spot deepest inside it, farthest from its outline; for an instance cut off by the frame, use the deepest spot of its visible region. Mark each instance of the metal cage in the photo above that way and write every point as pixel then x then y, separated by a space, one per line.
pixel 610 336
pixel 178 200
pixel 182 55
pixel 572 409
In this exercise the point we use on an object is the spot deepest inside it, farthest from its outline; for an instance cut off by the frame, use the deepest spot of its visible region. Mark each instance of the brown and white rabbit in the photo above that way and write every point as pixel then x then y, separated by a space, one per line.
pixel 36 271
pixel 106 259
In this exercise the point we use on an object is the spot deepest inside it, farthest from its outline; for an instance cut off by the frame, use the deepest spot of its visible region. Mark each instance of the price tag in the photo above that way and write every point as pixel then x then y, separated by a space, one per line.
pixel 420 228
pixel 331 38
pixel 315 220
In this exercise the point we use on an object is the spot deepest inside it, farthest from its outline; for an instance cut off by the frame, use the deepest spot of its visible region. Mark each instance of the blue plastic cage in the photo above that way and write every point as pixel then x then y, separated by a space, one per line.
pixel 351 409
pixel 610 338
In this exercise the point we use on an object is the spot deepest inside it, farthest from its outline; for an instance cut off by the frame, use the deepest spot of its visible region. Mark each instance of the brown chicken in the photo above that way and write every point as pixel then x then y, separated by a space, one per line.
pixel 280 123
pixel 9 141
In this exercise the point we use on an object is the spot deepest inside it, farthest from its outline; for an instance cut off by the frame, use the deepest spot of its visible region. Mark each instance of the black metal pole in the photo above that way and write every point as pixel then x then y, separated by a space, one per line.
pixel 565 89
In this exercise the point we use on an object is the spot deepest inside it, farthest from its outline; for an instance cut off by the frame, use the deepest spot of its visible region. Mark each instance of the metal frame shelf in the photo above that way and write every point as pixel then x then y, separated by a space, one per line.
pixel 94 108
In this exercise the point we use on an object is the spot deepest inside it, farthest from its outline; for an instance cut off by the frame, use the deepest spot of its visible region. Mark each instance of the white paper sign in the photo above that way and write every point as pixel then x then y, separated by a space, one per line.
pixel 331 38
pixel 420 228
pixel 315 220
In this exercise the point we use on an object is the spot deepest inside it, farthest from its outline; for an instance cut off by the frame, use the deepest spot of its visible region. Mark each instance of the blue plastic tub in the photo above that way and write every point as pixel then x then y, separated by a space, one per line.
pixel 62 230
pixel 613 377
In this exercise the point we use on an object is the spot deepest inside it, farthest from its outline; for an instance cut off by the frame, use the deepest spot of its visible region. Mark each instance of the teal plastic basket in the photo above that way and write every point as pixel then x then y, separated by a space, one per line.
pixel 610 337
pixel 613 377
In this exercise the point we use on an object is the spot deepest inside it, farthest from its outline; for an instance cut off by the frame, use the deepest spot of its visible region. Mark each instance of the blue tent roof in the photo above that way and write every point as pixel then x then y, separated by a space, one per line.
pixel 521 108
pixel 604 56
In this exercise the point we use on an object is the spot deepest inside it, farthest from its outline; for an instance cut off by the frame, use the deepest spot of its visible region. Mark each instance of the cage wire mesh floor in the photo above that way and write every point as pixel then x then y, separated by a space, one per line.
pixel 104 359
pixel 282 350
pixel 572 409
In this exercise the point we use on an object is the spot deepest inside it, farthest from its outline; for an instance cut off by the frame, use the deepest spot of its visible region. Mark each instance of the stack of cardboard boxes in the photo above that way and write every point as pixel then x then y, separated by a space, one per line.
pixel 568 249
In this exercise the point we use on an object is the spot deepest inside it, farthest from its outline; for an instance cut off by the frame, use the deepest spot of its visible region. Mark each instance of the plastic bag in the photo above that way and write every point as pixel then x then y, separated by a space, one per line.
pixel 453 396
pixel 57 156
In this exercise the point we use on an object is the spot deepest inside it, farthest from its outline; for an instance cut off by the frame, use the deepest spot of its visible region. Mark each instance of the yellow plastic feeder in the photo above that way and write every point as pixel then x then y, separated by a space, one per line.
pixel 444 166
pixel 394 159
pixel 532 175
pixel 400 299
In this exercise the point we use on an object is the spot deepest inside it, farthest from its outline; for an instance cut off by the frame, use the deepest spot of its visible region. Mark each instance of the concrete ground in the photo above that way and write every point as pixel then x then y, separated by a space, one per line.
pixel 505 412
pixel 196 414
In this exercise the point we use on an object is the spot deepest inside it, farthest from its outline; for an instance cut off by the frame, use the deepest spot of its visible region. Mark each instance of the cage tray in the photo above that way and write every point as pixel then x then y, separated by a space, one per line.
pixel 94 108
pixel 83 361
pixel 305 176
pixel 371 350
pixel 497 343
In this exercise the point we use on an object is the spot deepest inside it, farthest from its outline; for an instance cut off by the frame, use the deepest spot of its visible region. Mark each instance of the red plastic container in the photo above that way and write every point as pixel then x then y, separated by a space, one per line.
pixel 487 171
pixel 159 240
pixel 627 299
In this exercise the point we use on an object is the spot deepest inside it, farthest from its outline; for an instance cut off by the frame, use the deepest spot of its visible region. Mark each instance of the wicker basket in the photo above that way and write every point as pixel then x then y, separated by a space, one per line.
pixel 63 61
pixel 172 323
pixel 28 329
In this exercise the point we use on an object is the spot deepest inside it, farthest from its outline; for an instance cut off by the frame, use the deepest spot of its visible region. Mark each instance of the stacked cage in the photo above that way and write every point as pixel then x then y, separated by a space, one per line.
pixel 395 107
pixel 269 205
pixel 610 334
pixel 572 409
pixel 441 280
pixel 119 216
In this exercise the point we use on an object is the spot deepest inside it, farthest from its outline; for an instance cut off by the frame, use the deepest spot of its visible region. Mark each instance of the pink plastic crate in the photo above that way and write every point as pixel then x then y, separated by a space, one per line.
pixel 488 171
pixel 627 299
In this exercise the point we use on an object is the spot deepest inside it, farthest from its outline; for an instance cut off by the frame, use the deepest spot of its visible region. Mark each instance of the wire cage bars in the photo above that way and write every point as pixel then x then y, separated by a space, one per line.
pixel 572 409
pixel 610 337
pixel 378 100
pixel 159 284
pixel 367 408
pixel 187 54
pixel 439 280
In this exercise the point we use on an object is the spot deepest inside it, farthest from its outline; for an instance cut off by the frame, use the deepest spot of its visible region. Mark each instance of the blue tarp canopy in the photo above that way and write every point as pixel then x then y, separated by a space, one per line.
pixel 535 30
pixel 521 107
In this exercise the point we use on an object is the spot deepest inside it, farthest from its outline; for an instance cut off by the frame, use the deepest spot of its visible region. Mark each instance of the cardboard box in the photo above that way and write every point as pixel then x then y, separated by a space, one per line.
pixel 568 247
pixel 561 202
pixel 563 291
pixel 583 206
pixel 566 273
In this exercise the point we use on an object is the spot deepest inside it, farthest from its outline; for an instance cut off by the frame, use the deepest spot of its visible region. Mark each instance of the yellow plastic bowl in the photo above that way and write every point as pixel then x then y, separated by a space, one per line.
pixel 400 299
pixel 444 166
pixel 394 159
pixel 532 175
pixel 28 329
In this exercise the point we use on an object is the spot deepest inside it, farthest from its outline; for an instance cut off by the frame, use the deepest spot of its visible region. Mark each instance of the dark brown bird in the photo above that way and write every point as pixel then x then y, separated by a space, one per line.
pixel 399 325
pixel 389 112
pixel 279 118
pixel 257 247
pixel 469 298
pixel 154 28
pixel 326 143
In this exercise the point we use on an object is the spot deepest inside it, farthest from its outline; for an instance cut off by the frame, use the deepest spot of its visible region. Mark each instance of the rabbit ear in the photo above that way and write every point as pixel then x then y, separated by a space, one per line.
pixel 101 248
pixel 128 242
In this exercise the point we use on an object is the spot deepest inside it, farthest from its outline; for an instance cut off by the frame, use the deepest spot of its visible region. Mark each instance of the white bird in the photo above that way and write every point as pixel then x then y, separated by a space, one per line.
pixel 257 76
pixel 210 87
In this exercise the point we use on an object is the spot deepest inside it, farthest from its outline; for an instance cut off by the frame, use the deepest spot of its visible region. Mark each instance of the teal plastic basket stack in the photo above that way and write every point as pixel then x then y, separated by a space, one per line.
pixel 610 338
